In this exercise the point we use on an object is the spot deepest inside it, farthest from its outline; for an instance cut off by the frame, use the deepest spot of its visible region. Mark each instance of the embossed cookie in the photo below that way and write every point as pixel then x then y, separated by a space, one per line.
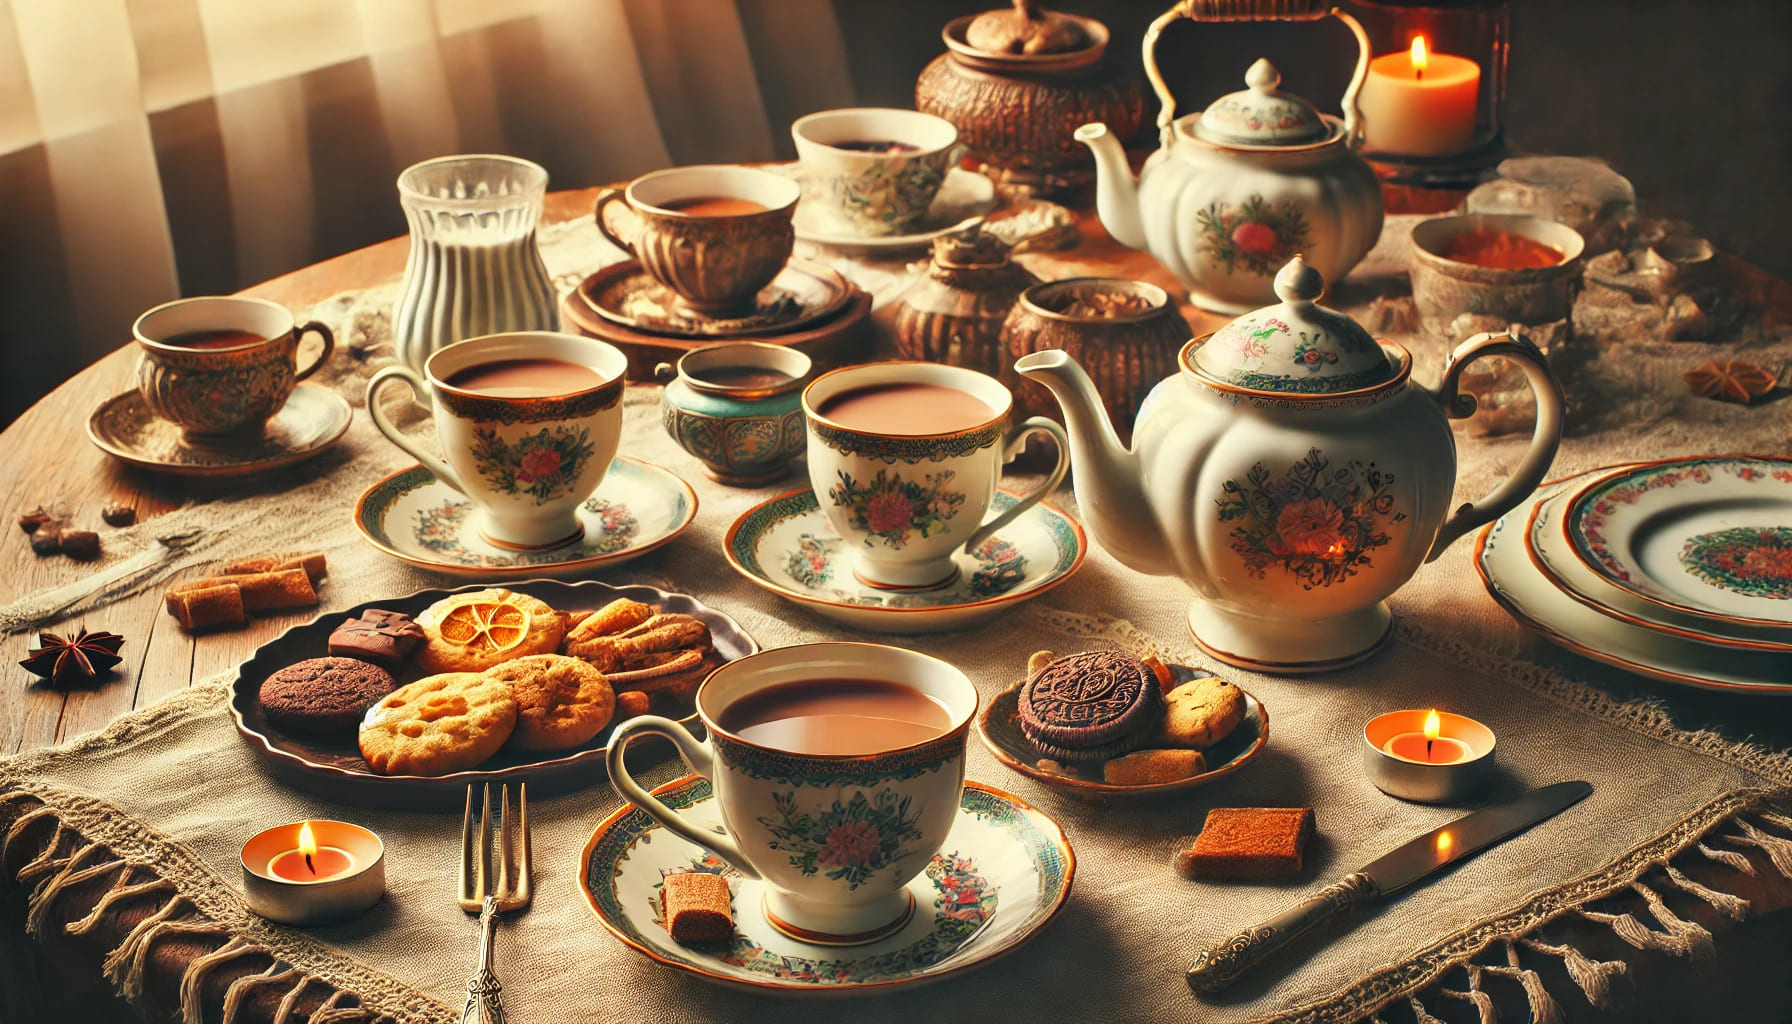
pixel 438 725
pixel 561 702
pixel 472 632
pixel 1090 706
pixel 1201 712
pixel 323 696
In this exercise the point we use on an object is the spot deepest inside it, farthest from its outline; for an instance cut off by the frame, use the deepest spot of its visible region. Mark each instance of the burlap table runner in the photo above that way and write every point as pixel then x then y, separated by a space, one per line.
pixel 173 785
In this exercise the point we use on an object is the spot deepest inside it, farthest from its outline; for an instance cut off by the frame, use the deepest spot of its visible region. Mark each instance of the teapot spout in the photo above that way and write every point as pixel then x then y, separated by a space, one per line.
pixel 1108 486
pixel 1116 194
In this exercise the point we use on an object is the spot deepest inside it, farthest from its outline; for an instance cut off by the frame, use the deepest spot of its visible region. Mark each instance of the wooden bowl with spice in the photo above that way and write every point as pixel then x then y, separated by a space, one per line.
pixel 1509 266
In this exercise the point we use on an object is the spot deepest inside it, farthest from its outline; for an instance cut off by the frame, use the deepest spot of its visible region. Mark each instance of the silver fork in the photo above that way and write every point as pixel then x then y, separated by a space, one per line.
pixel 513 890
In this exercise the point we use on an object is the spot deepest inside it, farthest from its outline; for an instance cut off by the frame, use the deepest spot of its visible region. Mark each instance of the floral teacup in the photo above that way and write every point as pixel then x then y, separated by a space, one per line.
pixel 834 839
pixel 906 501
pixel 876 169
pixel 525 462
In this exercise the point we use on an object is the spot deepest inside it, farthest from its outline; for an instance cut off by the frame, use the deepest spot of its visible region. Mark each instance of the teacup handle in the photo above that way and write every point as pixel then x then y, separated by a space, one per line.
pixel 605 198
pixel 420 395
pixel 1012 445
pixel 298 335
pixel 695 754
pixel 1545 435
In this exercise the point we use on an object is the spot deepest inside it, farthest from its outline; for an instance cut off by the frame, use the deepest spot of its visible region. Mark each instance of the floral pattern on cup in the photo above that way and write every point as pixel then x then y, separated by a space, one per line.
pixel 1752 560
pixel 1256 235
pixel 889 508
pixel 543 465
pixel 1319 524
pixel 890 195
pixel 849 841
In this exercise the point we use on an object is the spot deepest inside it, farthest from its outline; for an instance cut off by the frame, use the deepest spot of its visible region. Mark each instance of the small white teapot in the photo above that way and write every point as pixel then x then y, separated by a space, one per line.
pixel 1292 473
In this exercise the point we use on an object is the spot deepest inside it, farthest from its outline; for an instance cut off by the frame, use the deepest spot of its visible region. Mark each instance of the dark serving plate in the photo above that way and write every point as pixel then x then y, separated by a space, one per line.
pixel 336 769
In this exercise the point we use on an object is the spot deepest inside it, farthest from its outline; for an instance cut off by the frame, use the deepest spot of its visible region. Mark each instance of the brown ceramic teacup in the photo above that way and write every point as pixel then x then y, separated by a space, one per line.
pixel 221 365
pixel 714 234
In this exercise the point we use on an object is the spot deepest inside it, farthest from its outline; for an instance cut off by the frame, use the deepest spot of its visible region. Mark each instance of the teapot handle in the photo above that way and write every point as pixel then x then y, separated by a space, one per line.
pixel 1256 10
pixel 1545 435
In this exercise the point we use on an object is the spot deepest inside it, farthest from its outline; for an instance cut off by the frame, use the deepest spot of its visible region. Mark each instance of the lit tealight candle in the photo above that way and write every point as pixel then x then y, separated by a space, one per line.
pixel 311 862
pixel 1429 756
pixel 1419 103
pixel 1428 746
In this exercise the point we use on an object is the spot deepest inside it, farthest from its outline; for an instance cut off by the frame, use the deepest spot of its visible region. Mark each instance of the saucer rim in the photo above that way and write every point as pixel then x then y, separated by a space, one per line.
pixel 768 584
pixel 524 569
pixel 1039 925
pixel 340 407
pixel 839 286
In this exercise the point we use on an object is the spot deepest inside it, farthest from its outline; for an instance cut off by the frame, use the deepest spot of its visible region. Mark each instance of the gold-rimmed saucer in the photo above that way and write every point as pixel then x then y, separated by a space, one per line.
pixel 311 420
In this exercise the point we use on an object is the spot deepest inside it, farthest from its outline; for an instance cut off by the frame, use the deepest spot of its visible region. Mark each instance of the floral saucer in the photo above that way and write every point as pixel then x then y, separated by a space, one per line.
pixel 416 518
pixel 786 546
pixel 1710 537
pixel 1002 875
pixel 311 420
pixel 964 199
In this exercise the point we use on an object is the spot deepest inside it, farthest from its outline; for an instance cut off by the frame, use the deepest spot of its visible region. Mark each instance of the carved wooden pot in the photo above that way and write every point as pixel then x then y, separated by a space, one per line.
pixel 1016 114
pixel 954 313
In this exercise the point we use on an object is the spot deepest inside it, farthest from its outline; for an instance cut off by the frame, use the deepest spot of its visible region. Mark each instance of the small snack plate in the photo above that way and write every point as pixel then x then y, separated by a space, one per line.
pixel 312 420
pixel 416 518
pixel 337 770
pixel 999 729
pixel 786 546
pixel 1705 536
pixel 964 199
pixel 1001 877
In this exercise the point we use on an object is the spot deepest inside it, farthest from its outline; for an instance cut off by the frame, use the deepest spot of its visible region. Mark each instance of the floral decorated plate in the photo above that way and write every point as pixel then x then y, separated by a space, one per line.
pixel 999 728
pixel 416 518
pixel 1503 560
pixel 1001 877
pixel 964 199
pixel 311 420
pixel 1705 536
pixel 786 546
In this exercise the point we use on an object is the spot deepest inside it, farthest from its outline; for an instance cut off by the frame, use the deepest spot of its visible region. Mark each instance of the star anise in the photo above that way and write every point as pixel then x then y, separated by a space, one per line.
pixel 87 655
pixel 1733 381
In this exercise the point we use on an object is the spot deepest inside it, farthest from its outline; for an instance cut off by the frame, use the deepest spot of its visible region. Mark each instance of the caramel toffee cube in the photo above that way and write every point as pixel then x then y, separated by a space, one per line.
pixel 1250 843
pixel 696 907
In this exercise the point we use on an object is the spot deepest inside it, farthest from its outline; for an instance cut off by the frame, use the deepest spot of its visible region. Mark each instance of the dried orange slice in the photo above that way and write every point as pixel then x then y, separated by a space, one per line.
pixel 484 625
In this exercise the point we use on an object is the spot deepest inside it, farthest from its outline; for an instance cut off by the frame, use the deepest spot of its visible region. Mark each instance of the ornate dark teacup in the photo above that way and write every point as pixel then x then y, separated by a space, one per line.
pixel 714 234
pixel 221 365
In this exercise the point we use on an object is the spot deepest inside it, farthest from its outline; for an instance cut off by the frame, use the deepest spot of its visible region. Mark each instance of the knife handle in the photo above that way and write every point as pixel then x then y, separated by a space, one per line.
pixel 1225 961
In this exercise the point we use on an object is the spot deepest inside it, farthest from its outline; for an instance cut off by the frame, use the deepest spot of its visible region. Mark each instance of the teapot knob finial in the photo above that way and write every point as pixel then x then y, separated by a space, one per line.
pixel 1298 282
pixel 1262 75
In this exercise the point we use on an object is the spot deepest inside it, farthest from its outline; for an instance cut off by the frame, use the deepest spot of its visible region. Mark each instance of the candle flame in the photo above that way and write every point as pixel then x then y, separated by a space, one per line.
pixel 1433 726
pixel 307 841
pixel 1420 56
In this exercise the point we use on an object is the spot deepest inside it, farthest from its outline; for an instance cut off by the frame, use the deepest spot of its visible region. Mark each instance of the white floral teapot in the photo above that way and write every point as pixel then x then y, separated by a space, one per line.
pixel 1234 191
pixel 1292 473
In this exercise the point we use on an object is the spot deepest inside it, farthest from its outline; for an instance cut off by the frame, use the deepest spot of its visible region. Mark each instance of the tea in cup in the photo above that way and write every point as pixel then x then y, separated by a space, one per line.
pixel 529 423
pixel 877 169
pixel 221 365
pixel 904 458
pixel 838 769
pixel 714 234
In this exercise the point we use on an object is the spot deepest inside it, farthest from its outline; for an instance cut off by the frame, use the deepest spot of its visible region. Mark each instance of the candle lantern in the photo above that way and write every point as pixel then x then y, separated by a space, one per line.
pixel 1433 104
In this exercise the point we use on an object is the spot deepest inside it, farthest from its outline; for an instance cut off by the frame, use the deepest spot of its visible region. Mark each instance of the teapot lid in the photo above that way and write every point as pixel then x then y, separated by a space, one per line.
pixel 1262 115
pixel 1295 347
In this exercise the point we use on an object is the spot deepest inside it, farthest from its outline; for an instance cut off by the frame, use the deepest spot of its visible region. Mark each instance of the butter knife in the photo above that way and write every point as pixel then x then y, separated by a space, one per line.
pixel 1413 860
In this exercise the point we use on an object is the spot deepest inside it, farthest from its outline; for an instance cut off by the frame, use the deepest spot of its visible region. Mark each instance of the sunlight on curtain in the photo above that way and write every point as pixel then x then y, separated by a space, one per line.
pixel 205 145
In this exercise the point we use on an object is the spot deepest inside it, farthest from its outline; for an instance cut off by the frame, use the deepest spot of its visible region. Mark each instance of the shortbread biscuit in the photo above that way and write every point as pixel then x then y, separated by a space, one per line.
pixel 1201 712
pixel 561 702
pixel 1154 767
pixel 474 631
pixel 438 725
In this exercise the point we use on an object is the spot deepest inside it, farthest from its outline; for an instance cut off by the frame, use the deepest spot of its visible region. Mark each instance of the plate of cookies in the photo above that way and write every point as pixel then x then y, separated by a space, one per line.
pixel 415 697
pixel 1103 724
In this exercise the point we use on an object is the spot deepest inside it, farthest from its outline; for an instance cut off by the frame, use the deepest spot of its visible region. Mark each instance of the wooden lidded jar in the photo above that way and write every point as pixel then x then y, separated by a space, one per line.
pixel 953 314
pixel 1017 98
pixel 1125 334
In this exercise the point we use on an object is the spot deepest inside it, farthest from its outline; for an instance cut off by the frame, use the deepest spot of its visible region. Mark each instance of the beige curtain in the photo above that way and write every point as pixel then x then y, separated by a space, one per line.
pixel 154 147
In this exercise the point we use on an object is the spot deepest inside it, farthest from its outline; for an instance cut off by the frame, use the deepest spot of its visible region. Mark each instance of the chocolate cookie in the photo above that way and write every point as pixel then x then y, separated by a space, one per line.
pixel 1090 706
pixel 382 637
pixel 323 695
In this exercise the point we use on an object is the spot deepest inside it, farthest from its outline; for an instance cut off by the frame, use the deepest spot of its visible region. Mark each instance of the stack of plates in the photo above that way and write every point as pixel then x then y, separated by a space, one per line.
pixel 1678 570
